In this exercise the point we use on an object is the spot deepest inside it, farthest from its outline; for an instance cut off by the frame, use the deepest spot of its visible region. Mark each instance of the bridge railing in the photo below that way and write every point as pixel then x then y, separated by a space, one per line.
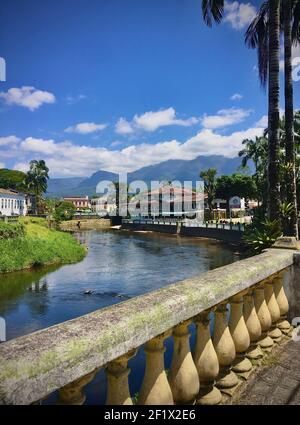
pixel 66 357
pixel 239 227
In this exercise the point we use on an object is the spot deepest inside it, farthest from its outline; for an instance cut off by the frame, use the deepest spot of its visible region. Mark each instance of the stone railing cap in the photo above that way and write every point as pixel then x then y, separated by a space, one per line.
pixel 35 365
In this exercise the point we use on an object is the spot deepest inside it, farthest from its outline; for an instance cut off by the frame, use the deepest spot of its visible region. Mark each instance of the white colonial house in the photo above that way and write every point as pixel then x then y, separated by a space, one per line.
pixel 103 205
pixel 12 203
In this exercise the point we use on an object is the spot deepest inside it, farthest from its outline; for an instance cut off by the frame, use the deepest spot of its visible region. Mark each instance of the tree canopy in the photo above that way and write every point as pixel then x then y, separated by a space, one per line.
pixel 12 179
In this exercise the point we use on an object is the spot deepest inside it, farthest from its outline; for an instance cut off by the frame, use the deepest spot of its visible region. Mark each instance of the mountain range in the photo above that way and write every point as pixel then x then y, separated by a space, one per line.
pixel 176 169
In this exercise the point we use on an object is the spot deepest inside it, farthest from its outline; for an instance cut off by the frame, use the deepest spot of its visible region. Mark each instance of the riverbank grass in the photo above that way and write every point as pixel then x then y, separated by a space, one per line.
pixel 39 246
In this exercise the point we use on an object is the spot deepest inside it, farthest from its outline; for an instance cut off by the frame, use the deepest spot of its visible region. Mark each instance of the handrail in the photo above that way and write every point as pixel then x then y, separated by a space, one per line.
pixel 35 365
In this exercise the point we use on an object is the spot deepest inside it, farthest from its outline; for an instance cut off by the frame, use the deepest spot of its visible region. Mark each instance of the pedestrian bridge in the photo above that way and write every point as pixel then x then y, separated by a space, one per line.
pixel 226 232
pixel 251 303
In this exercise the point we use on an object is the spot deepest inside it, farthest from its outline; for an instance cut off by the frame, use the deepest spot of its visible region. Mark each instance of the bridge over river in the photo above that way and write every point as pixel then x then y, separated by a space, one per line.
pixel 226 232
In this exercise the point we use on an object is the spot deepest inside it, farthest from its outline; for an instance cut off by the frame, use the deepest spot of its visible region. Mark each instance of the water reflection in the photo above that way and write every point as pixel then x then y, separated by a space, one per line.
pixel 119 265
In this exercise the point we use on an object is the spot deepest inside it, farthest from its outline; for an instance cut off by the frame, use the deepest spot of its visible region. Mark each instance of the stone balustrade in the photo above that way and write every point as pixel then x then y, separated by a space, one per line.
pixel 246 301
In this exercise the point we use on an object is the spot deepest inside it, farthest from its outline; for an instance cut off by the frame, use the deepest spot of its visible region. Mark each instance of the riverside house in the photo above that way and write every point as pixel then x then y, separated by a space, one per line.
pixel 80 203
pixel 12 203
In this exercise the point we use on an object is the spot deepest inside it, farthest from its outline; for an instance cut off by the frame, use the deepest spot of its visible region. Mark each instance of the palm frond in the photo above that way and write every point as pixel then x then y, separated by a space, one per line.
pixel 256 37
pixel 296 22
pixel 212 10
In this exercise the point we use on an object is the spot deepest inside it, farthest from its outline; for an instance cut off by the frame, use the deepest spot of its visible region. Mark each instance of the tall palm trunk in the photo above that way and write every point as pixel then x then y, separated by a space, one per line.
pixel 291 192
pixel 274 117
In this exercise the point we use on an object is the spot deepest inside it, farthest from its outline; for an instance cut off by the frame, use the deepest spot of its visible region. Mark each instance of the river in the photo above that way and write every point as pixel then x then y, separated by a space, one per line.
pixel 119 265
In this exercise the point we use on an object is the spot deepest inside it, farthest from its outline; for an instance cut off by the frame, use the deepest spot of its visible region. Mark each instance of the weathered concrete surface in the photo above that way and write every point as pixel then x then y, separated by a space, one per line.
pixel 160 228
pixel 85 224
pixel 278 382
pixel 229 236
pixel 33 366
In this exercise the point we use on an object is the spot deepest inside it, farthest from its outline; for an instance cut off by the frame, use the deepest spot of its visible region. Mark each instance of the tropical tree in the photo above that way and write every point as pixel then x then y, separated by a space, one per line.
pixel 212 11
pixel 64 210
pixel 290 26
pixel 36 178
pixel 257 151
pixel 209 178
pixel 258 36
pixel 235 185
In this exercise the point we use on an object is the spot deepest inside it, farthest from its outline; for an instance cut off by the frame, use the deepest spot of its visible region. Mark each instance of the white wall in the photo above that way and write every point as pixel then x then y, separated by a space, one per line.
pixel 12 205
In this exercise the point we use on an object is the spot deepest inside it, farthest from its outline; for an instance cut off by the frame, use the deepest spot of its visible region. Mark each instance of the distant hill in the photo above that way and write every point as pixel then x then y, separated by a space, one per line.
pixel 168 170
pixel 63 186
pixel 178 169
pixel 12 179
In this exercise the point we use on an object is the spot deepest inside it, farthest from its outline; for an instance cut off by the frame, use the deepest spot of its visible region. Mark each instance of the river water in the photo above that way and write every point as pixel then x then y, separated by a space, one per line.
pixel 119 265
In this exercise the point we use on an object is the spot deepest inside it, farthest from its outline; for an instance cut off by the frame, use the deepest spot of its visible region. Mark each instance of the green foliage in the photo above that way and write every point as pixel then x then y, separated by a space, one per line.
pixel 39 246
pixel 64 211
pixel 8 231
pixel 236 185
pixel 37 177
pixel 209 178
pixel 12 179
pixel 263 235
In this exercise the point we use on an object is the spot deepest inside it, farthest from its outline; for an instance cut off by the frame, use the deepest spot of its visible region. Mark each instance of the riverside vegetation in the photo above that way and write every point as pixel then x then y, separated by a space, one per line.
pixel 32 243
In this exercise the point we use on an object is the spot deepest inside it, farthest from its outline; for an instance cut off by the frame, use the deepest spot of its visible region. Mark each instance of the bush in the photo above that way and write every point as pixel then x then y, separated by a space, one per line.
pixel 10 231
pixel 262 235
pixel 38 246
pixel 64 211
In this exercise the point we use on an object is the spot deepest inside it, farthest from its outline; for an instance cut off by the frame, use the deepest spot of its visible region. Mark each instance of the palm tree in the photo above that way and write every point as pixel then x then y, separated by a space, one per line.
pixel 257 151
pixel 36 179
pixel 290 26
pixel 274 114
pixel 209 178
pixel 258 35
pixel 212 10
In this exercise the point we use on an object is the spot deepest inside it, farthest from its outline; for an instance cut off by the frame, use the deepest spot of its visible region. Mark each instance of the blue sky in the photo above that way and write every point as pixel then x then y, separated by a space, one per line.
pixel 121 84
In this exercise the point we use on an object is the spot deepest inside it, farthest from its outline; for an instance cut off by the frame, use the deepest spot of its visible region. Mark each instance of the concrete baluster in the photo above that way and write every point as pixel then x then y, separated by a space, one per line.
pixel 263 314
pixel 275 333
pixel 117 373
pixel 240 336
pixel 72 394
pixel 283 304
pixel 155 388
pixel 253 325
pixel 225 350
pixel 183 377
pixel 206 361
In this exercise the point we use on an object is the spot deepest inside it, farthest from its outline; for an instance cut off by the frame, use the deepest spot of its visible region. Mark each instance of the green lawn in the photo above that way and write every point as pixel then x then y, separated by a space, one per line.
pixel 39 246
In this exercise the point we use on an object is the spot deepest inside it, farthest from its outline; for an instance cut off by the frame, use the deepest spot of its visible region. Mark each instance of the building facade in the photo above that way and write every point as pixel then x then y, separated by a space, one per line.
pixel 80 203
pixel 12 203
pixel 103 206
pixel 172 202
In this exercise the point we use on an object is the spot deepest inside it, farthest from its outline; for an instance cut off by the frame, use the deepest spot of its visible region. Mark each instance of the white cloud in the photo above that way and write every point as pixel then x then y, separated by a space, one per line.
pixel 85 128
pixel 28 97
pixel 116 143
pixel 236 96
pixel 68 159
pixel 21 166
pixel 74 99
pixel 225 117
pixel 123 127
pixel 9 140
pixel 2 165
pixel 263 122
pixel 239 15
pixel 152 121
